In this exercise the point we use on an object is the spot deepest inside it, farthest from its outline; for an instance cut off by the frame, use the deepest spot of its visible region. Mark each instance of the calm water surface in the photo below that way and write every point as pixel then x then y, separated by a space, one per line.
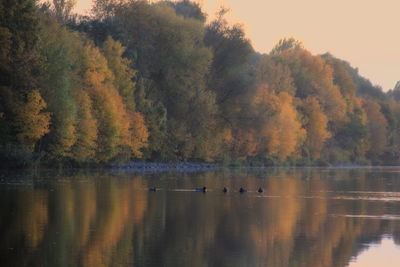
pixel 305 217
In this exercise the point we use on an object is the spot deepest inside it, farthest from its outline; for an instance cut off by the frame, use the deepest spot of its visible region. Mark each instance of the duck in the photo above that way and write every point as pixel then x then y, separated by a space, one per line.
pixel 152 189
pixel 204 189
pixel 242 190
pixel 260 190
pixel 225 190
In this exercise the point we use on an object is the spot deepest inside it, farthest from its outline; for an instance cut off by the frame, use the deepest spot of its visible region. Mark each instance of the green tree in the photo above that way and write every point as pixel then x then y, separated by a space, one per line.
pixel 85 147
pixel 19 66
pixel 61 53
pixel 353 135
pixel 188 9
pixel 124 75
pixel 172 63
pixel 277 75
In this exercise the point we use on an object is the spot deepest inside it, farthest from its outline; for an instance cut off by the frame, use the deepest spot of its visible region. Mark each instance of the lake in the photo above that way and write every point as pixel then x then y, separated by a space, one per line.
pixel 305 217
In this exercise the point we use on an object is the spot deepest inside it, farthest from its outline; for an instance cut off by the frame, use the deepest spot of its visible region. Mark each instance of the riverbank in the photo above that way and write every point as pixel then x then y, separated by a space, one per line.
pixel 161 167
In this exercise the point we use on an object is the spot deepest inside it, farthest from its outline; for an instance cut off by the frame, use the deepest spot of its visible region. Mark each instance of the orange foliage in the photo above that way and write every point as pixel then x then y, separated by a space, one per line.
pixel 316 126
pixel 85 146
pixel 278 134
pixel 139 134
pixel 315 77
pixel 282 131
pixel 118 129
pixel 122 74
pixel 32 123
pixel 276 75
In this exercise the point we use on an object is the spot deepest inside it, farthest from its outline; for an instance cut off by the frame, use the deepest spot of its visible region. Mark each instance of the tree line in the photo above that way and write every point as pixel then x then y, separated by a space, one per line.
pixel 155 81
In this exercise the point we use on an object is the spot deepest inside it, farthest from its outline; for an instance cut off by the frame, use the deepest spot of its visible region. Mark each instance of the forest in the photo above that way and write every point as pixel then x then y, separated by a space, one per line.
pixel 156 81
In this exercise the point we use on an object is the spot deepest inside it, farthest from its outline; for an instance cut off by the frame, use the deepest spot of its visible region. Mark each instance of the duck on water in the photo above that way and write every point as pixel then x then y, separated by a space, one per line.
pixel 203 189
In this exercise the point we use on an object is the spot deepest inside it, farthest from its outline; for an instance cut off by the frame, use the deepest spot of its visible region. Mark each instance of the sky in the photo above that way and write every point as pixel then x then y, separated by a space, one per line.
pixel 362 32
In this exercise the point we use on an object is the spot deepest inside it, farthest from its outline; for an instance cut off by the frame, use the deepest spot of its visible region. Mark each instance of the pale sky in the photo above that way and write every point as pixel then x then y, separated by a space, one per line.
pixel 363 32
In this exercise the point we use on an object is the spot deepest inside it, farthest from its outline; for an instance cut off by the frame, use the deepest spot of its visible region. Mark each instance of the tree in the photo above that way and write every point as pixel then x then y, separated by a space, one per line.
pixel 316 123
pixel 123 74
pixel 172 62
pixel 353 135
pixel 286 44
pixel 139 134
pixel 121 133
pixel 61 51
pixel 19 64
pixel 106 100
pixel 123 81
pixel 377 128
pixel 393 111
pixel 62 9
pixel 30 120
pixel 287 130
pixel 230 69
pixel 342 76
pixel 275 74
pixel 85 147
pixel 280 134
pixel 313 77
pixel 103 9
pixel 188 9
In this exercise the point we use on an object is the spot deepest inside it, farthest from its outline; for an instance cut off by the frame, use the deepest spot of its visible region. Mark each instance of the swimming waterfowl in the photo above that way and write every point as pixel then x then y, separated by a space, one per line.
pixel 242 190
pixel 260 190
pixel 225 190
pixel 152 189
pixel 204 189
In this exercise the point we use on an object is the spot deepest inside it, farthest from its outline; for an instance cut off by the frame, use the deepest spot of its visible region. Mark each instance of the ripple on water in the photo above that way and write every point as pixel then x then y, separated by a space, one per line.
pixel 374 217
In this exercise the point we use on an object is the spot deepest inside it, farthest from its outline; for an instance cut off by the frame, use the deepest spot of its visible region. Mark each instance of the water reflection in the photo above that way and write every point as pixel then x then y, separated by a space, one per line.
pixel 305 217
pixel 385 253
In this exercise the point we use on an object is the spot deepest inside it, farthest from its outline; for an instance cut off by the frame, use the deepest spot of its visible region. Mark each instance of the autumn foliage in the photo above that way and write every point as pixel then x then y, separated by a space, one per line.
pixel 154 81
pixel 31 121
pixel 316 125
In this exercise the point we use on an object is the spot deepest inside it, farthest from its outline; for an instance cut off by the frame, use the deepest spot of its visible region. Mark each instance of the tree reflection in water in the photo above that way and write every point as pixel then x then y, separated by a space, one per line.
pixel 305 217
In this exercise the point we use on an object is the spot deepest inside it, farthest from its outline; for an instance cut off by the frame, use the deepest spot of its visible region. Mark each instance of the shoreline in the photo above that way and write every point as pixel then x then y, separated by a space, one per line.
pixel 156 167
pixel 164 167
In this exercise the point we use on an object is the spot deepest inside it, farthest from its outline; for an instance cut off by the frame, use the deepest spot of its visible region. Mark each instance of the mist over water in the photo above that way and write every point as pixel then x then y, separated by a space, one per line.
pixel 304 217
